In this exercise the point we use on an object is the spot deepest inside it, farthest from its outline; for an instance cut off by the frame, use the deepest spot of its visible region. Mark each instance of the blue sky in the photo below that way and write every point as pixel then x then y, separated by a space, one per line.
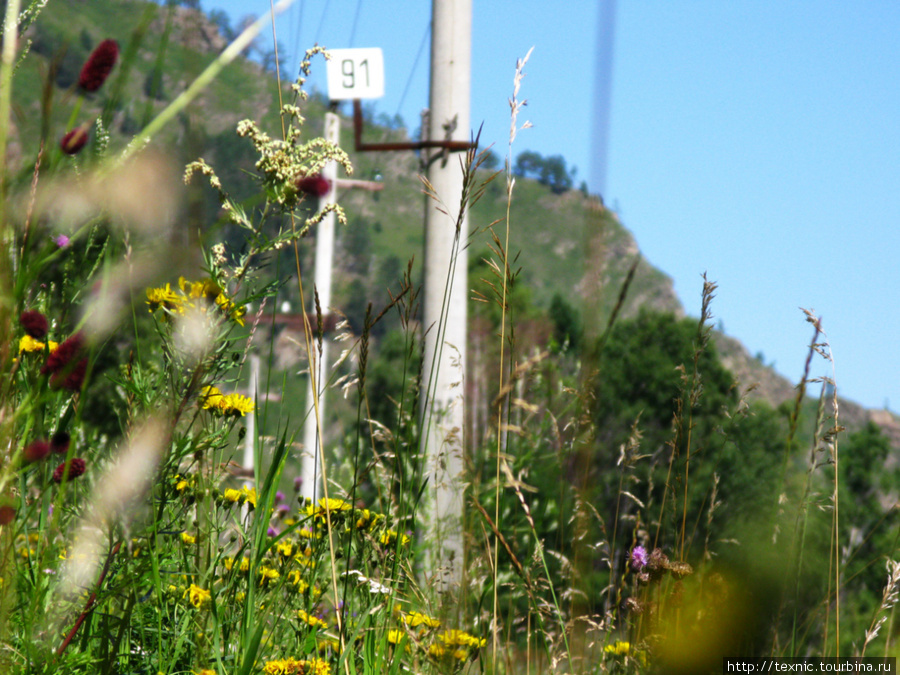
pixel 756 141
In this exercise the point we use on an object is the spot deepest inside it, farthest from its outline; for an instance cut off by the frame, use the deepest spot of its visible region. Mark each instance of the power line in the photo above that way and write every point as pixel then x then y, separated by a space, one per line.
pixel 355 22
pixel 322 21
pixel 415 65
pixel 298 29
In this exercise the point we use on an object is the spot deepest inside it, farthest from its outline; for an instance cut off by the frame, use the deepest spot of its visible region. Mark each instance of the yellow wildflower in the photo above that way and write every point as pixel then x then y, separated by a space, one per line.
pixel 163 297
pixel 460 638
pixel 243 566
pixel 313 621
pixel 248 495
pixel 210 398
pixel 188 538
pixel 285 547
pixel 296 579
pixel 231 495
pixel 29 345
pixel 415 619
pixel 292 666
pixel 267 574
pixel 388 537
pixel 235 404
pixel 197 596
pixel 618 648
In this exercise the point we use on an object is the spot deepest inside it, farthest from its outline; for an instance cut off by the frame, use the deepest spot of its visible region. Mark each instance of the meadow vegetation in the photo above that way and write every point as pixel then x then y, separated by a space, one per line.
pixel 629 506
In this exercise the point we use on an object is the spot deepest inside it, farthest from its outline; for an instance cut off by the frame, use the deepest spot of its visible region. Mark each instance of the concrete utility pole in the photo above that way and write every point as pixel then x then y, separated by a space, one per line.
pixel 310 462
pixel 446 269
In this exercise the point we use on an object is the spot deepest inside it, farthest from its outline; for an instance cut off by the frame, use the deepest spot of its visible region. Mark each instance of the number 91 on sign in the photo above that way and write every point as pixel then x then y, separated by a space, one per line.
pixel 355 74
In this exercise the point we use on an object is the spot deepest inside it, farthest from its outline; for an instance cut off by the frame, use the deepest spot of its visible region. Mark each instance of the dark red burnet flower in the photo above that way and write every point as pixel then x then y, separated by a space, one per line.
pixel 59 442
pixel 314 185
pixel 99 65
pixel 36 451
pixel 74 141
pixel 67 365
pixel 7 514
pixel 34 323
pixel 76 468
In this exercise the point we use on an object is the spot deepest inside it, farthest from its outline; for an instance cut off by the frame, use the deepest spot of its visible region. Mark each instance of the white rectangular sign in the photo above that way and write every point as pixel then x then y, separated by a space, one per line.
pixel 355 73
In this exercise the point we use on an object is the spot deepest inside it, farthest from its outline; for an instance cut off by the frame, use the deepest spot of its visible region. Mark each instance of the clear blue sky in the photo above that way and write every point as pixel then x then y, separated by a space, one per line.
pixel 756 141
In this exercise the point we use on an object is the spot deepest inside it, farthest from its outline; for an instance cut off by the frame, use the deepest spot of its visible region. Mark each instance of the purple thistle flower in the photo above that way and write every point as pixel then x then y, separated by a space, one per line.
pixel 62 241
pixel 639 558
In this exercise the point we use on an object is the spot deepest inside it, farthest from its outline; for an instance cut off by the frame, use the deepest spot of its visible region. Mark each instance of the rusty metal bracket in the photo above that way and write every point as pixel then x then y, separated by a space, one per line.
pixel 450 146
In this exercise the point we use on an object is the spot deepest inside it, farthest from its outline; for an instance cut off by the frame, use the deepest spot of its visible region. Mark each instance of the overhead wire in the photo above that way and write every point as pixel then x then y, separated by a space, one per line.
pixel 355 23
pixel 415 65
pixel 322 21
pixel 297 31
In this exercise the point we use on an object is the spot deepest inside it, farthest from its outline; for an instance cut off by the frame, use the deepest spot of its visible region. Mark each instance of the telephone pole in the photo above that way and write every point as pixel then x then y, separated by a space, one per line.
pixel 310 461
pixel 445 293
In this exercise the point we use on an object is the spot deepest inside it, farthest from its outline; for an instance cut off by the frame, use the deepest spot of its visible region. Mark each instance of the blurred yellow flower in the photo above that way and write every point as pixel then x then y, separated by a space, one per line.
pixel 313 621
pixel 618 648
pixel 197 596
pixel 415 619
pixel 29 345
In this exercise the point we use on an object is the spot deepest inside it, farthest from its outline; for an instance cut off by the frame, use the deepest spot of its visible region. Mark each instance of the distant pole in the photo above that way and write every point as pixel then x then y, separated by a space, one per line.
pixel 250 438
pixel 445 316
pixel 310 463
pixel 603 50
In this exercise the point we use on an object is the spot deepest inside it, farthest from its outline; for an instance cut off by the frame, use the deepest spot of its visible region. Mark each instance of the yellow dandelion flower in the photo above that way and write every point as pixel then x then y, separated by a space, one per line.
pixel 297 581
pixel 248 495
pixel 197 596
pixel 395 635
pixel 211 398
pixel 618 648
pixel 29 345
pixel 416 619
pixel 236 404
pixel 292 666
pixel 231 495
pixel 188 538
pixel 237 314
pixel 313 621
pixel 163 297
pixel 460 638
pixel 388 537
pixel 285 547
pixel 267 574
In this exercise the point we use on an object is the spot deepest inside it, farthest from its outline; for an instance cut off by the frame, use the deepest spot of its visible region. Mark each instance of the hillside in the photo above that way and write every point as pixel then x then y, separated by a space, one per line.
pixel 567 244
